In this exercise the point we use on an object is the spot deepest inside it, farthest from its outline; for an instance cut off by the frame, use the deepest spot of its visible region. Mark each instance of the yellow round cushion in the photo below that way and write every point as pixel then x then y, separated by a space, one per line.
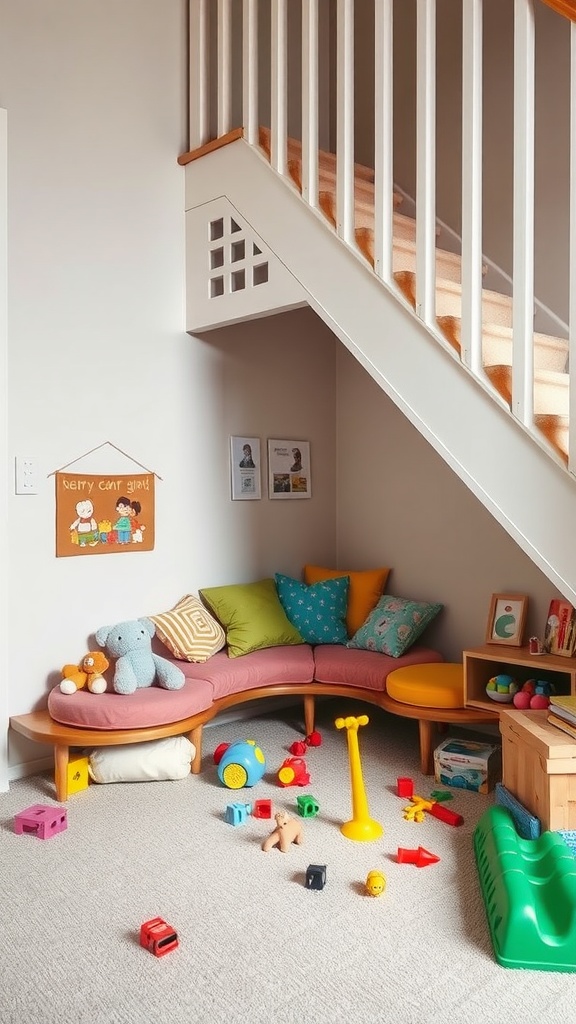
pixel 440 685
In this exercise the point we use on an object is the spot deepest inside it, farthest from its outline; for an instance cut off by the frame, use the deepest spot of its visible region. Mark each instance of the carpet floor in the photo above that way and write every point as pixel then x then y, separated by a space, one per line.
pixel 255 945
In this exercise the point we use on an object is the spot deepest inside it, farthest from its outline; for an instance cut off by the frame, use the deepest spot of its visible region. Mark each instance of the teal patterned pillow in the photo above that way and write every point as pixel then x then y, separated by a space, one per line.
pixel 394 625
pixel 318 611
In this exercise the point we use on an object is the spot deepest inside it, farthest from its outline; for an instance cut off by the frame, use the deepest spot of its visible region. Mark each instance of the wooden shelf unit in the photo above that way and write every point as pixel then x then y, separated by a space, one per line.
pixel 481 663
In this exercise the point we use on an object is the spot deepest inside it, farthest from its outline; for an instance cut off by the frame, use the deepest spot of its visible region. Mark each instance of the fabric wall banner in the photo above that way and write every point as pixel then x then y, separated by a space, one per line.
pixel 104 515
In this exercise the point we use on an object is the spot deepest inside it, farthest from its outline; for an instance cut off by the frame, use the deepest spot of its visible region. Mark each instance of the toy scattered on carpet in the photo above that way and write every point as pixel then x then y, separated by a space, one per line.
pixel 237 814
pixel 137 666
pixel 89 673
pixel 361 826
pixel 534 694
pixel 404 786
pixel 420 857
pixel 288 830
pixel 299 747
pixel 375 883
pixel 240 764
pixel 41 820
pixel 308 806
pixel 158 937
pixel 315 876
pixel 293 772
pixel 415 811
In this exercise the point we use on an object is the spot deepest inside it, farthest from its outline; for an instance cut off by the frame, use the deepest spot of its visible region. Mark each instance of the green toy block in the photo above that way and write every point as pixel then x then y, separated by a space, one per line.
pixel 529 892
pixel 307 805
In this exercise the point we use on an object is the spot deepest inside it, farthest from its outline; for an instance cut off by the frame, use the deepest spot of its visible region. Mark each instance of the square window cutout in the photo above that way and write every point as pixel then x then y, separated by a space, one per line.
pixel 238 251
pixel 260 274
pixel 216 258
pixel 238 280
pixel 216 287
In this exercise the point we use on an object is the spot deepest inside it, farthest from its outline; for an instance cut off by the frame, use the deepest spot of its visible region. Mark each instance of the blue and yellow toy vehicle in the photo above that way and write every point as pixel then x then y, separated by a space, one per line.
pixel 239 764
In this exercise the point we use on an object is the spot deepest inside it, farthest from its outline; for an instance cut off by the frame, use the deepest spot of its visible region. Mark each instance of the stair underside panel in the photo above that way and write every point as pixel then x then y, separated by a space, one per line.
pixel 514 478
pixel 231 275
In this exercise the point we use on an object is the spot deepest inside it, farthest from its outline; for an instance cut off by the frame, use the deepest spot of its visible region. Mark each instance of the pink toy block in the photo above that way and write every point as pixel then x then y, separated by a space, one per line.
pixel 405 786
pixel 41 820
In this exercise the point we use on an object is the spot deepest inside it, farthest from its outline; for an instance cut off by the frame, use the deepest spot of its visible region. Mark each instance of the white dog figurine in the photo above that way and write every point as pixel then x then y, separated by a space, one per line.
pixel 288 830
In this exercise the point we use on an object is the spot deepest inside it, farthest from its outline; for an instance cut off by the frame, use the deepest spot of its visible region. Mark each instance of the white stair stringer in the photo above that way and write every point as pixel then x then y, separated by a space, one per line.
pixel 524 487
pixel 231 275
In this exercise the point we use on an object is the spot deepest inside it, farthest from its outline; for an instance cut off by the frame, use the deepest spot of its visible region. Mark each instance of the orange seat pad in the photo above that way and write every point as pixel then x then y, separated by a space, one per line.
pixel 439 685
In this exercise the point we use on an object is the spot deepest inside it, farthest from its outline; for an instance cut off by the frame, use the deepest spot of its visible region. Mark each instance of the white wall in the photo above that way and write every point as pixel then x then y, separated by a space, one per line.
pixel 400 505
pixel 95 97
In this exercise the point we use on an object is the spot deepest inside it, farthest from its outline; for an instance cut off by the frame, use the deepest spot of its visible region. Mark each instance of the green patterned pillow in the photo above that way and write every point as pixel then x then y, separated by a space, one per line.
pixel 252 616
pixel 318 611
pixel 394 625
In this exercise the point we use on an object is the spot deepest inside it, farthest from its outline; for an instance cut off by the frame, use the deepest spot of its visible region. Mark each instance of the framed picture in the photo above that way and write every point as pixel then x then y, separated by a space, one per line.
pixel 560 632
pixel 506 619
pixel 245 468
pixel 289 469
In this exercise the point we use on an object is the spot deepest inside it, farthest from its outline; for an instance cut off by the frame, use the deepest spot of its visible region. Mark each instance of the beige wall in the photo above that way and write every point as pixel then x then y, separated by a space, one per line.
pixel 400 505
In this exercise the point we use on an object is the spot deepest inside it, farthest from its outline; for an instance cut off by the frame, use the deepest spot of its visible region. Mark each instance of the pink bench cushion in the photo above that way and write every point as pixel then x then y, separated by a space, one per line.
pixel 147 707
pixel 285 664
pixel 369 669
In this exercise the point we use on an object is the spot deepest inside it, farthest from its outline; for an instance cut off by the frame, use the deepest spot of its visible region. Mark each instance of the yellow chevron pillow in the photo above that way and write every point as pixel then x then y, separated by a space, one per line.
pixel 189 631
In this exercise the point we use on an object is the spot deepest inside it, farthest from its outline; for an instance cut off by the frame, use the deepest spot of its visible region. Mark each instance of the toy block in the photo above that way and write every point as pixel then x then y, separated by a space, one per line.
pixel 158 937
pixel 236 814
pixel 307 805
pixel 41 820
pixel 315 876
pixel 77 774
pixel 404 786
pixel 262 809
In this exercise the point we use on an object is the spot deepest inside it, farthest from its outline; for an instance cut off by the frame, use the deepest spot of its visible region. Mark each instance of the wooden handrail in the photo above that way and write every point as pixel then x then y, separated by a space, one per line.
pixel 567 8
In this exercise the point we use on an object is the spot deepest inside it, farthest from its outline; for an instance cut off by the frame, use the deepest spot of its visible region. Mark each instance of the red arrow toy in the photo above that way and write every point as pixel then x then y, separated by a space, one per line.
pixel 420 857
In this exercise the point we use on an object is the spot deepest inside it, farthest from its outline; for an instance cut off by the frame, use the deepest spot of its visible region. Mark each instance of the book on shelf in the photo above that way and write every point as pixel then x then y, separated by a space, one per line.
pixel 563 724
pixel 560 631
pixel 564 707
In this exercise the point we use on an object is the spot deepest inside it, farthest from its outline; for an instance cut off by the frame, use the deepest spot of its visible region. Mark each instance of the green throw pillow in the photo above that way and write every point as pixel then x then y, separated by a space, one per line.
pixel 251 615
pixel 318 611
pixel 394 625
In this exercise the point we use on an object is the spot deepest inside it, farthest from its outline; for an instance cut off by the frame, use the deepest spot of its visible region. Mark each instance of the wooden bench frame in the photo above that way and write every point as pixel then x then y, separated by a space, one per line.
pixel 40 727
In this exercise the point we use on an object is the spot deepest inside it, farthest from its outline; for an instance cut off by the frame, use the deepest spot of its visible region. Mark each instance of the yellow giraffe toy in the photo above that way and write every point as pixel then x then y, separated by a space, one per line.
pixel 361 827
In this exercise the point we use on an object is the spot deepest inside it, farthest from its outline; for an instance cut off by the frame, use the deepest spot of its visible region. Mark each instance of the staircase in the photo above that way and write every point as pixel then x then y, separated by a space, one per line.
pixel 499 412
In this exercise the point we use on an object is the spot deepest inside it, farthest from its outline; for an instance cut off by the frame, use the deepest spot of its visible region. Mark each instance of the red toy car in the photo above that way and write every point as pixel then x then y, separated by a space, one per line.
pixel 158 937
pixel 293 772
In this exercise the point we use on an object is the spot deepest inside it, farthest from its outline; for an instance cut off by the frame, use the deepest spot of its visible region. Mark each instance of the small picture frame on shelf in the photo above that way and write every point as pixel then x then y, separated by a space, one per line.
pixel 506 619
pixel 560 632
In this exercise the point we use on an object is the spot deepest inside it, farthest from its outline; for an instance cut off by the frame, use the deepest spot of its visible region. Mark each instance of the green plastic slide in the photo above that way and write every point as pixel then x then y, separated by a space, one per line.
pixel 529 891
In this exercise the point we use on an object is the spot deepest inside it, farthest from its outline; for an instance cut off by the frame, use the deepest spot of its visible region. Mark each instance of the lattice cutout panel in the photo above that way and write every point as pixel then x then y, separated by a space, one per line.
pixel 231 274
pixel 235 262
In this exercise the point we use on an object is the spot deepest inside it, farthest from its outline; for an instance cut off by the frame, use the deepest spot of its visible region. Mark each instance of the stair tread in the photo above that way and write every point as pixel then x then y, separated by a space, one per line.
pixel 506 333
pixel 295 147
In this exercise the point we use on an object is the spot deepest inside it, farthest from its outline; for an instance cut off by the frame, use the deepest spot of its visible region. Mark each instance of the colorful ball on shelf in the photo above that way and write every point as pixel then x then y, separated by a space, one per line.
pixel 501 688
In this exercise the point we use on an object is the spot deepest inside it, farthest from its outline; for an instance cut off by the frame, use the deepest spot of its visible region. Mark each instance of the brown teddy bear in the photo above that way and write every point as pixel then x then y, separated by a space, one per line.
pixel 89 673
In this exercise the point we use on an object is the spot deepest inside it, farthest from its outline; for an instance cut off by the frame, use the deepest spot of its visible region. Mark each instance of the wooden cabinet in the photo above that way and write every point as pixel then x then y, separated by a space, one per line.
pixel 481 663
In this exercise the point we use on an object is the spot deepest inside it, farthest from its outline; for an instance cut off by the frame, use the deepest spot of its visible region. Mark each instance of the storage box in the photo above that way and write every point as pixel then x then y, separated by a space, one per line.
pixel 539 767
pixel 468 764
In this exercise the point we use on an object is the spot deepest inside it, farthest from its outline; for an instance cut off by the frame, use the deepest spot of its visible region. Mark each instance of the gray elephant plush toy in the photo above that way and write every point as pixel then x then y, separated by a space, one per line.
pixel 137 665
